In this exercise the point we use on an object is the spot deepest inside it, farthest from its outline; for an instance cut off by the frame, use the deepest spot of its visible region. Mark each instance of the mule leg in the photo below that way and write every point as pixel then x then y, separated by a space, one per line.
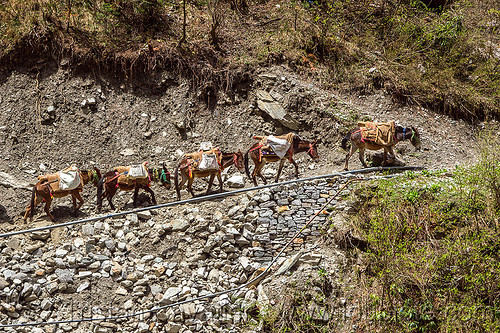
pixel 73 200
pixel 219 177
pixel 282 162
pixel 254 172
pixel 38 199
pixel 362 156
pixel 110 193
pixel 190 186
pixel 80 202
pixel 136 191
pixel 296 167
pixel 254 176
pixel 48 201
pixel 183 181
pixel 349 154
pixel 150 191
pixel 391 151
pixel 110 201
pixel 210 182
pixel 258 170
pixel 384 162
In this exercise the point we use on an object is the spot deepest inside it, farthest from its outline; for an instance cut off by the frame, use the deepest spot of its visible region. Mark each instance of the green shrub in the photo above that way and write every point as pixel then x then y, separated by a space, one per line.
pixel 433 253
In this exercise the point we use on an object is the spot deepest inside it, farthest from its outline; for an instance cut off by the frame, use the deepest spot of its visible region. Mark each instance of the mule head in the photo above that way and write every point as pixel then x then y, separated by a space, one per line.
pixel 91 176
pixel 164 177
pixel 415 138
pixel 96 176
pixel 313 150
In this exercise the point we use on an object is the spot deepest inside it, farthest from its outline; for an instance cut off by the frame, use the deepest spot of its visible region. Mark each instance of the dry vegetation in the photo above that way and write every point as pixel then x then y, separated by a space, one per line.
pixel 447 58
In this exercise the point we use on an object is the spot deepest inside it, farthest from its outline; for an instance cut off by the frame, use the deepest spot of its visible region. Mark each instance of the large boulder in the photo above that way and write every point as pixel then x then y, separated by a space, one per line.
pixel 267 104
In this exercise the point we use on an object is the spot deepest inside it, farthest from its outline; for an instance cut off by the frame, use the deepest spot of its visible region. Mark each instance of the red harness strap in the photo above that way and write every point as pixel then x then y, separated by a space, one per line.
pixel 188 166
pixel 235 158
pixel 260 151
pixel 50 190
pixel 113 178
pixel 359 131
pixel 310 149
pixel 255 148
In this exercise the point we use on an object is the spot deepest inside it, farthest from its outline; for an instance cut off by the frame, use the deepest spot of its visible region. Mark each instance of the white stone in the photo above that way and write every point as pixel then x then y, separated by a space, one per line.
pixel 169 295
pixel 236 181
pixel 121 291
pixel 179 225
pixel 83 286
pixel 84 274
pixel 145 215
pixel 244 262
pixel 61 253
pixel 127 152
pixel 128 304
pixel 188 309
pixel 224 300
pixel 142 328
pixel 78 242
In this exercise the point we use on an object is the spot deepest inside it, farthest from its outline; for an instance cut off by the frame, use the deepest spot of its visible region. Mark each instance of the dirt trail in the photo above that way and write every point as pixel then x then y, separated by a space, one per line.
pixel 52 120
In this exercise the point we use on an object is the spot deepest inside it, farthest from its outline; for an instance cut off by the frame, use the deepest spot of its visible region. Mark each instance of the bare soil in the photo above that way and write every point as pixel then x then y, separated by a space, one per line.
pixel 45 126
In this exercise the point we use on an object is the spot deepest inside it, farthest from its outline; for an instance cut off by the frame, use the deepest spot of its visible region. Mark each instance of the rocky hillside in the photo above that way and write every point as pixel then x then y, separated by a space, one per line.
pixel 54 119
pixel 93 89
pixel 119 266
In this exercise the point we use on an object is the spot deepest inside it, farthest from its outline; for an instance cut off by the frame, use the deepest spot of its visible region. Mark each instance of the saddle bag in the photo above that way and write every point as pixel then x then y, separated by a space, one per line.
pixel 137 171
pixel 208 162
pixel 69 178
pixel 378 133
pixel 279 146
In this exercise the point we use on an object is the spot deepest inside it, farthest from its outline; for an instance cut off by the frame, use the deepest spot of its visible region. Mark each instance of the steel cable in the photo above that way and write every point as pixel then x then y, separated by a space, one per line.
pixel 203 198
pixel 260 276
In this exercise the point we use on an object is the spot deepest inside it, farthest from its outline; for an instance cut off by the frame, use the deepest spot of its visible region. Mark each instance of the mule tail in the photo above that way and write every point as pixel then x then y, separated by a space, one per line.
pixel 176 183
pixel 246 165
pixel 100 193
pixel 346 140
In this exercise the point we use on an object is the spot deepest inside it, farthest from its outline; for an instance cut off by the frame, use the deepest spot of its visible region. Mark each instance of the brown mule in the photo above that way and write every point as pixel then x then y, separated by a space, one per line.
pixel 261 155
pixel 357 142
pixel 189 172
pixel 46 189
pixel 117 179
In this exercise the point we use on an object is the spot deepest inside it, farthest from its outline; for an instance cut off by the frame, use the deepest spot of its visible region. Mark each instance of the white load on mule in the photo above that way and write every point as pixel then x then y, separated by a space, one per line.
pixel 69 178
pixel 208 157
pixel 279 146
pixel 138 171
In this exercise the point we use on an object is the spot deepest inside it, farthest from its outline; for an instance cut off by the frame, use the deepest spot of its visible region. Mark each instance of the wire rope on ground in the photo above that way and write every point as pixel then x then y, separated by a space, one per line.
pixel 202 198
pixel 257 278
